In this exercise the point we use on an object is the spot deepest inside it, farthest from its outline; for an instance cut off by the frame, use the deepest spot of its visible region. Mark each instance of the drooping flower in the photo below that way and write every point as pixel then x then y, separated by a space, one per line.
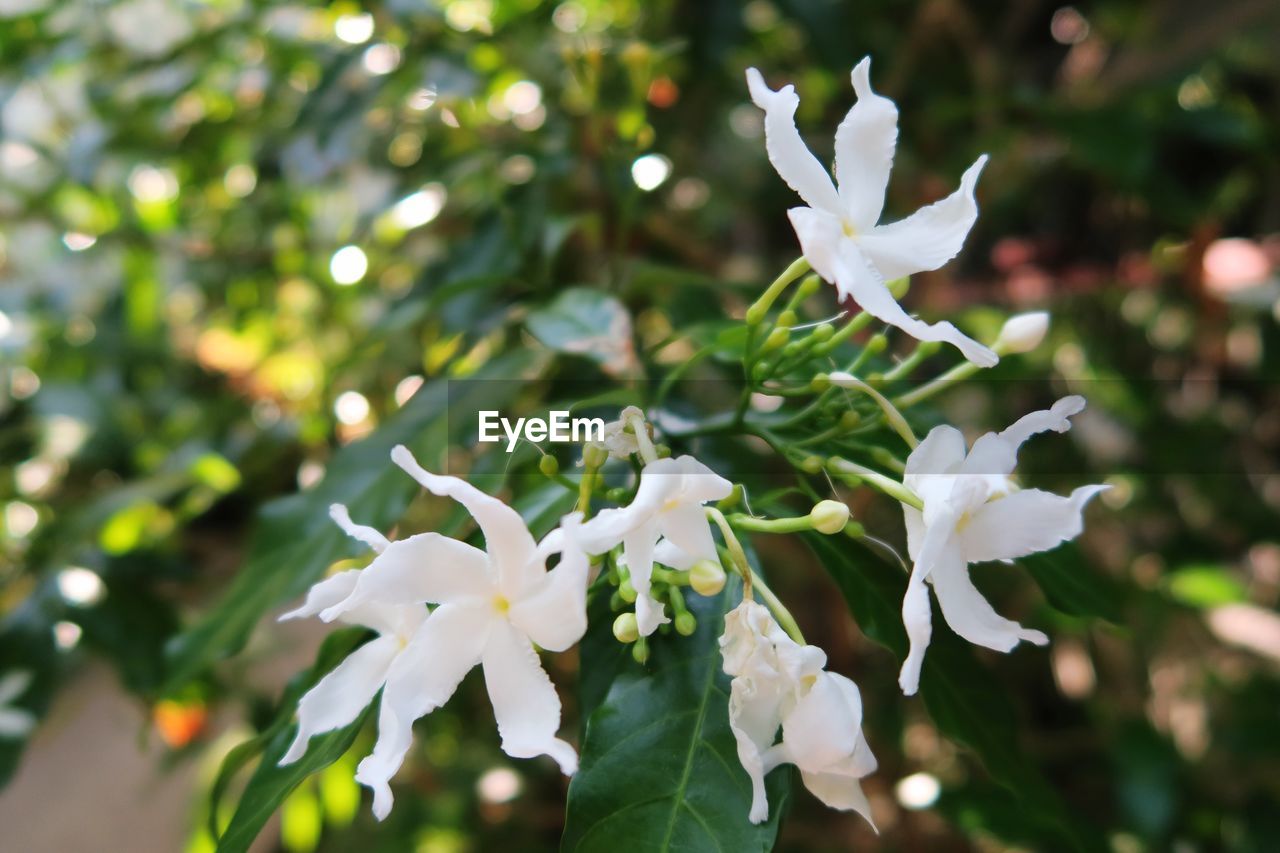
pixel 668 503
pixel 492 607
pixel 975 512
pixel 838 228
pixel 779 683
pixel 15 722
pixel 619 436
pixel 338 698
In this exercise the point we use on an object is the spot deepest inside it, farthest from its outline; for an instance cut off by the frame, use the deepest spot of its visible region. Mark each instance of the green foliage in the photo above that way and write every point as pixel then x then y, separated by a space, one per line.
pixel 659 763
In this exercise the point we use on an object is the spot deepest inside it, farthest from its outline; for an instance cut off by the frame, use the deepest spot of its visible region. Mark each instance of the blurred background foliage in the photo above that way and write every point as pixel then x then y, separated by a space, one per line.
pixel 238 237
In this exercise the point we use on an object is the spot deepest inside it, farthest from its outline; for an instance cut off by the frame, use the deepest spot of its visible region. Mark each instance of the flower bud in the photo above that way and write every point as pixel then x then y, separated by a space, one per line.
pixel 706 577
pixel 829 516
pixel 618 494
pixel 549 465
pixel 627 591
pixel 777 338
pixel 820 383
pixel 640 651
pixel 594 455
pixel 662 450
pixel 625 628
pixel 1022 332
pixel 823 332
pixel 809 286
pixel 877 343
pixel 787 319
pixel 849 419
pixel 686 624
pixel 812 464
pixel 899 287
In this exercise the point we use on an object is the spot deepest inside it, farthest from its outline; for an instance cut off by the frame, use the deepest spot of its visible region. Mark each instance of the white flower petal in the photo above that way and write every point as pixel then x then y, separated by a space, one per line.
pixel 865 142
pixel 822 729
pixel 689 530
pixel 789 155
pixel 839 791
pixel 928 238
pixel 970 614
pixel 554 612
pixel 506 538
pixel 855 278
pixel 341 695
pixel 941 452
pixel 1025 522
pixel 362 532
pixel 422 678
pixel 423 568
pixel 669 554
pixel 637 550
pixel 325 594
pixel 524 699
pixel 997 453
pixel 754 720
pixel 699 484
pixel 917 616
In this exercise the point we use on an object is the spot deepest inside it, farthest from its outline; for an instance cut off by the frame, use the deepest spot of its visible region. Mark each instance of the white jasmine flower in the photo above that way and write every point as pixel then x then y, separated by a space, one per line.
pixel 779 683
pixel 493 606
pixel 838 229
pixel 15 722
pixel 619 440
pixel 974 512
pixel 338 698
pixel 1023 332
pixel 668 504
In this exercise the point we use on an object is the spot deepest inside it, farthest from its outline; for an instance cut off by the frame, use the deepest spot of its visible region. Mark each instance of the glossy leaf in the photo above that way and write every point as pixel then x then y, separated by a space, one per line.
pixel 659 762
pixel 591 324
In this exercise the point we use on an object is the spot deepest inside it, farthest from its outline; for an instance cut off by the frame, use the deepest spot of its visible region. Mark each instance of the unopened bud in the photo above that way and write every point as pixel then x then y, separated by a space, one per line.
pixel 706 577
pixel 899 287
pixel 549 465
pixel 787 319
pixel 686 624
pixel 662 450
pixel 1022 332
pixel 824 332
pixel 627 591
pixel 809 286
pixel 876 344
pixel 812 464
pixel 618 494
pixel 640 651
pixel 849 419
pixel 829 516
pixel 777 338
pixel 625 628
pixel 821 382
pixel 594 455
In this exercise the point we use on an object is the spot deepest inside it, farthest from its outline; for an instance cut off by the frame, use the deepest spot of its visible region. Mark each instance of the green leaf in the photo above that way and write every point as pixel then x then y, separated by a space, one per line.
pixel 295 540
pixel 1072 586
pixel 967 703
pixel 591 324
pixel 1204 586
pixel 660 765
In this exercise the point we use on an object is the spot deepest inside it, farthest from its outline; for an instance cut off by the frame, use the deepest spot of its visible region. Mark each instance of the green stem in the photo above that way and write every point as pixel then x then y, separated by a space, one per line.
pixel 780 612
pixel 771 525
pixel 961 371
pixel 891 413
pixel 736 554
pixel 762 305
pixel 892 488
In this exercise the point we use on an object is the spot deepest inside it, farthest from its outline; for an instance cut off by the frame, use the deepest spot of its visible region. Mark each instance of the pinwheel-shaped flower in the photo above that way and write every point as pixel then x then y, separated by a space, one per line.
pixel 838 230
pixel 667 504
pixel 974 512
pixel 492 607
pixel 779 683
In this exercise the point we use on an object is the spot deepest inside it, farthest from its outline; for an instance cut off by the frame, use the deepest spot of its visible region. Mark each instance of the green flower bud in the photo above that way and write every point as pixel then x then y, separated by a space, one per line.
pixel 627 591
pixel 899 287
pixel 812 464
pixel 876 344
pixel 849 419
pixel 594 456
pixel 686 624
pixel 809 286
pixel 662 450
pixel 829 516
pixel 625 628
pixel 618 494
pixel 706 577
pixel 549 465
pixel 776 339
pixel 820 383
pixel 824 332
pixel 787 319
pixel 640 651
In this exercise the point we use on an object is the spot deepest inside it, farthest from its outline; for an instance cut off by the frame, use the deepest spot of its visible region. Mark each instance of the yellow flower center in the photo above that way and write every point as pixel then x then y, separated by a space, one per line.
pixel 500 604
pixel 848 230
pixel 963 521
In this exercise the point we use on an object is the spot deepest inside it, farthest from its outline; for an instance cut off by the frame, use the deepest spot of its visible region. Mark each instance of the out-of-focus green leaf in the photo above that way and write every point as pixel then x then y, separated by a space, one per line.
pixel 1204 586
pixel 588 323
pixel 1074 587
pixel 295 540
pixel 660 765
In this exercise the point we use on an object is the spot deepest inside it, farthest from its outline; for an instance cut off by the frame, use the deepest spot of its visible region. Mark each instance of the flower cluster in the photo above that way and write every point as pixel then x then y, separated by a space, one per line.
pixel 439 606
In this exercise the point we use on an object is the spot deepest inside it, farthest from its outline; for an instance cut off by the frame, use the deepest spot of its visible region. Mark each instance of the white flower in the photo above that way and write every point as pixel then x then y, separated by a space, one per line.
pixel 974 512
pixel 838 230
pixel 668 504
pixel 493 606
pixel 15 722
pixel 779 683
pixel 619 437
pixel 338 698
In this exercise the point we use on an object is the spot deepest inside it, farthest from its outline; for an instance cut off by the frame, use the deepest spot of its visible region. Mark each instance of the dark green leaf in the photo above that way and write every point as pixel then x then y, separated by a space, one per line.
pixel 1072 586
pixel 660 766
